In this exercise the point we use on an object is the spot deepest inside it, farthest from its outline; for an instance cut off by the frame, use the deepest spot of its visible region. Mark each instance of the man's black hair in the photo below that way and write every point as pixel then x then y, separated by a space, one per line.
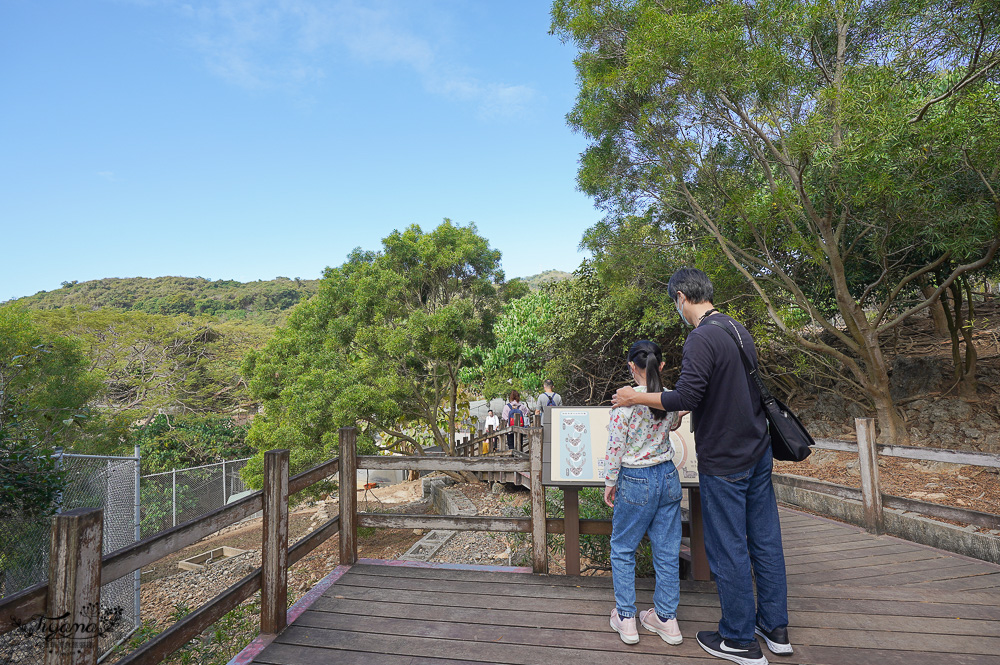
pixel 693 283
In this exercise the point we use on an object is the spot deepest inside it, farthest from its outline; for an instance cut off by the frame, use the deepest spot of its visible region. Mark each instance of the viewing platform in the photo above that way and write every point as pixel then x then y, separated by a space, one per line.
pixel 854 599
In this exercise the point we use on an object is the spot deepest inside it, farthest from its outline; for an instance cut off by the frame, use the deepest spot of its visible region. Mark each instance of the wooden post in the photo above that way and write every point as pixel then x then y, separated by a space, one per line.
pixel 699 560
pixel 348 496
pixel 73 606
pixel 871 495
pixel 274 551
pixel 571 513
pixel 539 547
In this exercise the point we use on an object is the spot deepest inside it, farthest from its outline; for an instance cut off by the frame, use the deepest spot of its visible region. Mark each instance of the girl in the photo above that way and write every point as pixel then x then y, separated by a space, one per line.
pixel 642 486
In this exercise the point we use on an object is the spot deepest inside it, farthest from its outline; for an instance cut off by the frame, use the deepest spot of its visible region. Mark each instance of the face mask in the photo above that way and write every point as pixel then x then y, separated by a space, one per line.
pixel 680 311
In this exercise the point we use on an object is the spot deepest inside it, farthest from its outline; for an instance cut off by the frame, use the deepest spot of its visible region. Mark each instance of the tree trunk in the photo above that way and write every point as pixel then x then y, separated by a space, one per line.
pixel 960 330
pixel 970 386
pixel 937 311
pixel 892 427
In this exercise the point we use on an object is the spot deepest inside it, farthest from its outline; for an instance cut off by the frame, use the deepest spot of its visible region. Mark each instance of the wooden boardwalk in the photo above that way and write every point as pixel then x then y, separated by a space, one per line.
pixel 854 599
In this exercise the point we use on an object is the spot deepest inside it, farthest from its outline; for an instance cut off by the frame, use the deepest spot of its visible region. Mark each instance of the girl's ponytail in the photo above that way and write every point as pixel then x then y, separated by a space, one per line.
pixel 647 354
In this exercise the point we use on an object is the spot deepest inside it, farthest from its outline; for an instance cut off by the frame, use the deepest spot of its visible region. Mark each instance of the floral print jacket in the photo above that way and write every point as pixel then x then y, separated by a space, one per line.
pixel 636 439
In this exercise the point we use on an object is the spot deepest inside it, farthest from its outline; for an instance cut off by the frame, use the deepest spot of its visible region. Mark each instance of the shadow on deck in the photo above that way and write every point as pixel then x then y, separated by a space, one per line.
pixel 854 599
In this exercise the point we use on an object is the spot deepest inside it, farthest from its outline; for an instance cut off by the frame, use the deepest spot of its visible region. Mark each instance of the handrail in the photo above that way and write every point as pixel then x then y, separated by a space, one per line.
pixel 121 562
pixel 436 463
pixel 967 457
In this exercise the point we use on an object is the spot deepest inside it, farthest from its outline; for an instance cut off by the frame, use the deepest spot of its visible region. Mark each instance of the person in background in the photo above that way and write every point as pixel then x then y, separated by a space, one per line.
pixel 492 424
pixel 740 513
pixel 548 398
pixel 643 487
pixel 515 414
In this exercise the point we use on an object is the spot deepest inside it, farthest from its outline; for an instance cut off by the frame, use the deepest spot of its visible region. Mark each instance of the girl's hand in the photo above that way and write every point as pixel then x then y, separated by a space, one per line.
pixel 609 496
pixel 680 416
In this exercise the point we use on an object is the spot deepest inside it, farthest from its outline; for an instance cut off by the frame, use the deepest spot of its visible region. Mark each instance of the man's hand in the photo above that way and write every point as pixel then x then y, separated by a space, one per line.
pixel 624 397
pixel 609 495
pixel 680 417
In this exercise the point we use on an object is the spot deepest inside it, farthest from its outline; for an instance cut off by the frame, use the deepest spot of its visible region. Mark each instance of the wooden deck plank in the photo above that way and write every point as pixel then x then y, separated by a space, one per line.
pixel 606 640
pixel 883 574
pixel 986 583
pixel 817 655
pixel 686 614
pixel 486 652
pixel 854 599
pixel 281 654
pixel 864 562
pixel 963 574
pixel 825 599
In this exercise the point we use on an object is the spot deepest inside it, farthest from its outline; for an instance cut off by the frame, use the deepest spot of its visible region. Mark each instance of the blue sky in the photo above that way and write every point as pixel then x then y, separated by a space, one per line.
pixel 246 139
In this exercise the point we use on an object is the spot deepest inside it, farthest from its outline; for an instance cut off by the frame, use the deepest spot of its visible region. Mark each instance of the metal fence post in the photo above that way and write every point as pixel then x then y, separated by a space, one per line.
pixel 539 546
pixel 74 594
pixel 224 497
pixel 274 548
pixel 173 475
pixel 871 495
pixel 348 496
pixel 138 530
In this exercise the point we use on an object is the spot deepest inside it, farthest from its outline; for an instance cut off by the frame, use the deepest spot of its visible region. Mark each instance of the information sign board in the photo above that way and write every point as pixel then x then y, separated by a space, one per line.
pixel 575 441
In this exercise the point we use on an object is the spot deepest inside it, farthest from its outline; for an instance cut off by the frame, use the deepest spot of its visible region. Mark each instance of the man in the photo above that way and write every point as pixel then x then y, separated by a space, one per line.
pixel 547 398
pixel 742 533
pixel 492 424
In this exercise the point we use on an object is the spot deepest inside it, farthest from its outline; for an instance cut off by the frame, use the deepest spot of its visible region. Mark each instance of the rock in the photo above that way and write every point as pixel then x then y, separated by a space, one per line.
pixel 418 532
pixel 909 377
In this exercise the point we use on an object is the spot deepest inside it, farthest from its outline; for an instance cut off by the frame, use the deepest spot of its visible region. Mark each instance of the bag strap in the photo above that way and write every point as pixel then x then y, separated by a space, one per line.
pixel 752 373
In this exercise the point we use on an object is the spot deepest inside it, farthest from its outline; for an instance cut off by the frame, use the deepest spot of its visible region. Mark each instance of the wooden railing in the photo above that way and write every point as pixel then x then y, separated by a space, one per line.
pixel 77 570
pixel 871 496
pixel 537 524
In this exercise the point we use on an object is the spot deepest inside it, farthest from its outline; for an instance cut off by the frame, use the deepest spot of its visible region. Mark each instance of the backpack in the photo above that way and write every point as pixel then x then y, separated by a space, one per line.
pixel 552 399
pixel 514 416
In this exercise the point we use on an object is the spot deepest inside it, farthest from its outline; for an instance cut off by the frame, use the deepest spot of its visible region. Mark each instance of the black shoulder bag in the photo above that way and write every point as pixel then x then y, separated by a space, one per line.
pixel 789 439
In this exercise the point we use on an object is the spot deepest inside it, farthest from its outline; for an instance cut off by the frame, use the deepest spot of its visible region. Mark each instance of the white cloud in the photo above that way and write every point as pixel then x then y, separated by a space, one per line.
pixel 287 44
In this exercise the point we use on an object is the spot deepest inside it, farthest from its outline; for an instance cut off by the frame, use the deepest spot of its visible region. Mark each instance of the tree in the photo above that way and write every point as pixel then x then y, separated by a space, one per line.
pixel 154 362
pixel 44 390
pixel 381 346
pixel 837 152
pixel 516 360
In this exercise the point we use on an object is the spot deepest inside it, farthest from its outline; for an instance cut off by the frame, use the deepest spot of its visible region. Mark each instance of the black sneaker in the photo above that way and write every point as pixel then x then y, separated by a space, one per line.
pixel 777 639
pixel 714 644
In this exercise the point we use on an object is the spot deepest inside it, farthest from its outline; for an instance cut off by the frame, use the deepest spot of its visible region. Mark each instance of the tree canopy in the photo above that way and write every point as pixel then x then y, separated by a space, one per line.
pixel 837 153
pixel 45 387
pixel 381 346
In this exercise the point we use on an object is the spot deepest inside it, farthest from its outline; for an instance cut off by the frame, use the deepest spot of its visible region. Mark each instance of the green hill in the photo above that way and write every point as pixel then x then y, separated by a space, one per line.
pixel 536 282
pixel 222 299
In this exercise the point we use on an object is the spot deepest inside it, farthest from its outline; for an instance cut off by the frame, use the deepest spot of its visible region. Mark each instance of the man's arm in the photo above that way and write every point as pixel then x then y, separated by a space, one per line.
pixel 628 396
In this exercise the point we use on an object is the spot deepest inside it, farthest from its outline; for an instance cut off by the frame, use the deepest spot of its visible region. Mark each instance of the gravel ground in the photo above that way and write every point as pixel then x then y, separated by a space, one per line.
pixel 480 547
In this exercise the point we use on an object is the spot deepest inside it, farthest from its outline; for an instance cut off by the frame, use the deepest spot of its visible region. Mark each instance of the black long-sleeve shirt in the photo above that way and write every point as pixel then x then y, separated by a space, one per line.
pixel 730 430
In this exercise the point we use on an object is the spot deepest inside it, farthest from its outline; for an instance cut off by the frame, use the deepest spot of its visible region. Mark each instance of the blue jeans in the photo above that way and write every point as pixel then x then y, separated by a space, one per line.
pixel 648 499
pixel 743 544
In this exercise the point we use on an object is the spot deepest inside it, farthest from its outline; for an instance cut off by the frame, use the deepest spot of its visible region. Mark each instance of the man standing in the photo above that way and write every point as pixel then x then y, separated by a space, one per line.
pixel 547 398
pixel 492 424
pixel 742 532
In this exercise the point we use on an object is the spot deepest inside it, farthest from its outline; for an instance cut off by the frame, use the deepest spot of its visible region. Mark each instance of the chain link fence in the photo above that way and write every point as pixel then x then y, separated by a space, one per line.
pixel 134 507
pixel 173 497
pixel 109 483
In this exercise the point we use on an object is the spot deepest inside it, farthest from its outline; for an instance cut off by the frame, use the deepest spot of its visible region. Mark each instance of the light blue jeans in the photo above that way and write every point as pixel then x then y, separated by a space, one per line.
pixel 648 499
